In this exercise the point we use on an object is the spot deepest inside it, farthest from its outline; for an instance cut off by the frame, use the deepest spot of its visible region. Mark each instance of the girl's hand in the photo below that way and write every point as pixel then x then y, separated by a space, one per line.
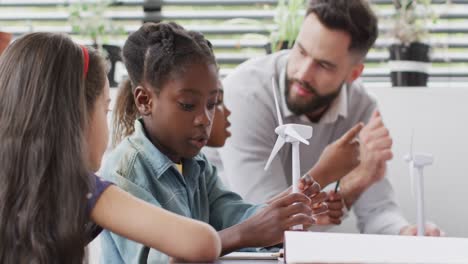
pixel 267 227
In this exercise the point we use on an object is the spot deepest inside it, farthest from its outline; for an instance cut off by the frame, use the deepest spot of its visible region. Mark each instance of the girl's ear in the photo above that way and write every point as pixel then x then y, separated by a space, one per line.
pixel 143 100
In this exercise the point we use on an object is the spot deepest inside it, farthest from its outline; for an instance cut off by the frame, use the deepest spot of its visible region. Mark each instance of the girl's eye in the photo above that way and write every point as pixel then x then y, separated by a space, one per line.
pixel 324 66
pixel 220 100
pixel 186 107
pixel 212 105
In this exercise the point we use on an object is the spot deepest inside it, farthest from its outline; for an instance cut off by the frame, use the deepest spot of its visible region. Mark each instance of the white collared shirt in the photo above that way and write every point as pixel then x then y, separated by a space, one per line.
pixel 248 94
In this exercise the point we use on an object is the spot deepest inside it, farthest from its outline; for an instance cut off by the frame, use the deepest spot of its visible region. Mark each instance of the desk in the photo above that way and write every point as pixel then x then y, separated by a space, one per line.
pixel 312 247
pixel 250 257
pixel 238 261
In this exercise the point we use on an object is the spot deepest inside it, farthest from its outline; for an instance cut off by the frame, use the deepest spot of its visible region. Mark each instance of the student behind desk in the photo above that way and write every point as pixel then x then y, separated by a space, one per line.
pixel 164 115
pixel 54 99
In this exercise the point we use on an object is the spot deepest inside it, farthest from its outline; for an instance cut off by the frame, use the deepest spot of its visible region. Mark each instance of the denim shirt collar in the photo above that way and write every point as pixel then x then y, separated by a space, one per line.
pixel 158 161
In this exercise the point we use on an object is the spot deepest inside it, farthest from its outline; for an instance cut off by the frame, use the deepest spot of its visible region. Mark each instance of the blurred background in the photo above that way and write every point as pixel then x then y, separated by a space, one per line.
pixel 240 29
pixel 430 100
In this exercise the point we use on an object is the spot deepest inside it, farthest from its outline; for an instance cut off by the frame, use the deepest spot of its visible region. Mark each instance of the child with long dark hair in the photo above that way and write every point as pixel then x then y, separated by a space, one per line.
pixel 54 98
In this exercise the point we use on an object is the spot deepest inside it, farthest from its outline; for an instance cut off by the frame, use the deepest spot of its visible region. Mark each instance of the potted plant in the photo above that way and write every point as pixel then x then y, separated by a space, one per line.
pixel 5 39
pixel 409 55
pixel 288 19
pixel 88 19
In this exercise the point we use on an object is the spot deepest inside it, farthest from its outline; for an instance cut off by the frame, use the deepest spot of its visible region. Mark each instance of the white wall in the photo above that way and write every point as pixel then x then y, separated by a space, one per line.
pixel 439 117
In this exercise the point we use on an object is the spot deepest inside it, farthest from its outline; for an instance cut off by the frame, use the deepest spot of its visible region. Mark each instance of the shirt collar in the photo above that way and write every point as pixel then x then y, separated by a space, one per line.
pixel 339 106
pixel 158 161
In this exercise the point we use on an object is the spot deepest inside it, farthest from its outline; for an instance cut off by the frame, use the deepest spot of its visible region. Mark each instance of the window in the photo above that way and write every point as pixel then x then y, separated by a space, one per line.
pixel 238 29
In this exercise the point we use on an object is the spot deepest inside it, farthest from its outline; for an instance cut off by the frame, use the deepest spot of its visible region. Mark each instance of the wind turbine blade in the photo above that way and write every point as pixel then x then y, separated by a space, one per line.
pixel 278 113
pixel 279 143
pixel 293 133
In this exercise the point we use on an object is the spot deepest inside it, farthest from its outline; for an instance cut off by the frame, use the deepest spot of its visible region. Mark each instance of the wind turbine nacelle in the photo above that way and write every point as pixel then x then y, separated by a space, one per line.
pixel 422 159
pixel 303 130
pixel 279 130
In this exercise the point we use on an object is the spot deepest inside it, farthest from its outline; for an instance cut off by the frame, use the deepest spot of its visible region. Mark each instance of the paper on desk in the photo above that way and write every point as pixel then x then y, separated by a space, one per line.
pixel 312 247
pixel 251 255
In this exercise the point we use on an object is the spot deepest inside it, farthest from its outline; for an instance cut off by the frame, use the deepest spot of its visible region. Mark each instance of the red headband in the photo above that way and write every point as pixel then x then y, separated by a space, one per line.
pixel 86 60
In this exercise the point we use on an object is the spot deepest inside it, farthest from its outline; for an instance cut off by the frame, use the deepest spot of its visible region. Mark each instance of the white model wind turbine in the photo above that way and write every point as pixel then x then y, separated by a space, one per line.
pixel 417 162
pixel 289 133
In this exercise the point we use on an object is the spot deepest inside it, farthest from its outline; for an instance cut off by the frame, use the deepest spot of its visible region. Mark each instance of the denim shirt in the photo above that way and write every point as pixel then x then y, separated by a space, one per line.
pixel 139 168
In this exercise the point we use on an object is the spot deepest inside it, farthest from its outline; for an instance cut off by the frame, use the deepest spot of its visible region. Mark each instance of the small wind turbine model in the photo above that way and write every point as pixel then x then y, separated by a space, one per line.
pixel 289 133
pixel 417 162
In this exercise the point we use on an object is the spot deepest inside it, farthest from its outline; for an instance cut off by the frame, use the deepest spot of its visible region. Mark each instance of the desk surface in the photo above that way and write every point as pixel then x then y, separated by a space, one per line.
pixel 260 262
pixel 238 261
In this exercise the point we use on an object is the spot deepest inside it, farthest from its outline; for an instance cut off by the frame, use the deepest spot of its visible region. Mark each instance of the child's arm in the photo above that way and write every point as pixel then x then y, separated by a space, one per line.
pixel 174 235
pixel 337 159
